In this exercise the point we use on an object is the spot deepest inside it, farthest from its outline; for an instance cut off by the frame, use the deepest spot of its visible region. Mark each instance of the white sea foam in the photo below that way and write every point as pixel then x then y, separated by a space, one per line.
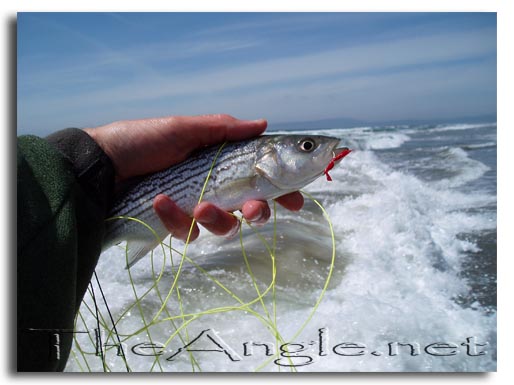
pixel 382 141
pixel 457 162
pixel 461 126
pixel 403 276
pixel 396 277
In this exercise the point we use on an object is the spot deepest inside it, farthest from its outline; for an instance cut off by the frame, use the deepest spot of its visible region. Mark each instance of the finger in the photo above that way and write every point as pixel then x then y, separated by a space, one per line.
pixel 151 139
pixel 176 221
pixel 292 201
pixel 219 128
pixel 217 221
pixel 257 212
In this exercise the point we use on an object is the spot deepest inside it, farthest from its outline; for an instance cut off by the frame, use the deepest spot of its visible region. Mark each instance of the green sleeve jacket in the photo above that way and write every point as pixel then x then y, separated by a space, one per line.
pixel 64 185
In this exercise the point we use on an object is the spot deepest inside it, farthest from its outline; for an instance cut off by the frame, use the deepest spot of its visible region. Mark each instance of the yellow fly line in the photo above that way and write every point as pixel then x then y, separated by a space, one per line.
pixel 182 320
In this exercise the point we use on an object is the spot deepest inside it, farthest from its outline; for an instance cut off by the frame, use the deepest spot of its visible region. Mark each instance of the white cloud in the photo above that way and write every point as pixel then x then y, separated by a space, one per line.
pixel 419 92
pixel 314 82
pixel 384 56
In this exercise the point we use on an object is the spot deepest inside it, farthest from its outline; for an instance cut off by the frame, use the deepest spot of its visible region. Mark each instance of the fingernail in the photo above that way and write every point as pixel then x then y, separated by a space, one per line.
pixel 259 220
pixel 262 218
pixel 233 231
pixel 166 206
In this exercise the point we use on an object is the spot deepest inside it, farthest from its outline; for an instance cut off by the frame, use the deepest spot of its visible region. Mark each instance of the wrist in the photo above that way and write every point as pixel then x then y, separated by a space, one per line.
pixel 92 167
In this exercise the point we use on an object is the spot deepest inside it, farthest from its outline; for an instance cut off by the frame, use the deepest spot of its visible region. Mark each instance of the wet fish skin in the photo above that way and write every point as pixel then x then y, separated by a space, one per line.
pixel 262 168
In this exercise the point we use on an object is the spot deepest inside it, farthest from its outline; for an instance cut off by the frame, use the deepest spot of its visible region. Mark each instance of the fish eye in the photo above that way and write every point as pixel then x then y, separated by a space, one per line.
pixel 307 144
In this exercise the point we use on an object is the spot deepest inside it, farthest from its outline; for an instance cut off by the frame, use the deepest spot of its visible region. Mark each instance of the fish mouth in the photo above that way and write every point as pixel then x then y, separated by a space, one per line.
pixel 340 153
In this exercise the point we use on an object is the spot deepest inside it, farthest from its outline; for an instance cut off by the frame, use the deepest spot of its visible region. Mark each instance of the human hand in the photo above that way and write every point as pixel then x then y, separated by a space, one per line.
pixel 139 147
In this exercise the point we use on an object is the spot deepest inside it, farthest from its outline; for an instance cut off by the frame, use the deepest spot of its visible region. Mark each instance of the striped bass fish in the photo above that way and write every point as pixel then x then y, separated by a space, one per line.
pixel 262 168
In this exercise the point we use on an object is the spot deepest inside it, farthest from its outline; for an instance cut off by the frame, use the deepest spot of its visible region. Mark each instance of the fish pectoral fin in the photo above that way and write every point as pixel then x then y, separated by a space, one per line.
pixel 240 184
pixel 137 249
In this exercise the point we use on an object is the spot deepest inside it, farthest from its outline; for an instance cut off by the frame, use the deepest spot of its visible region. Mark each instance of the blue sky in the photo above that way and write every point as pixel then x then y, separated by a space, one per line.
pixel 87 69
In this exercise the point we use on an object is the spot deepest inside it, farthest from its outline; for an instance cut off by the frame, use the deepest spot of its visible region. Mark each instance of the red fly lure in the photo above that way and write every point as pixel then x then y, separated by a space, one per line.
pixel 330 166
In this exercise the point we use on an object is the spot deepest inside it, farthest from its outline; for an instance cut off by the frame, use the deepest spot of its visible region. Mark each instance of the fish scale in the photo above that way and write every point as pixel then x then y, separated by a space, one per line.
pixel 177 182
pixel 246 170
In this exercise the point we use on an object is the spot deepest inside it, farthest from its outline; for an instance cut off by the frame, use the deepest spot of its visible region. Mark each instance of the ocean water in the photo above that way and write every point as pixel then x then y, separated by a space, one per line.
pixel 412 286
